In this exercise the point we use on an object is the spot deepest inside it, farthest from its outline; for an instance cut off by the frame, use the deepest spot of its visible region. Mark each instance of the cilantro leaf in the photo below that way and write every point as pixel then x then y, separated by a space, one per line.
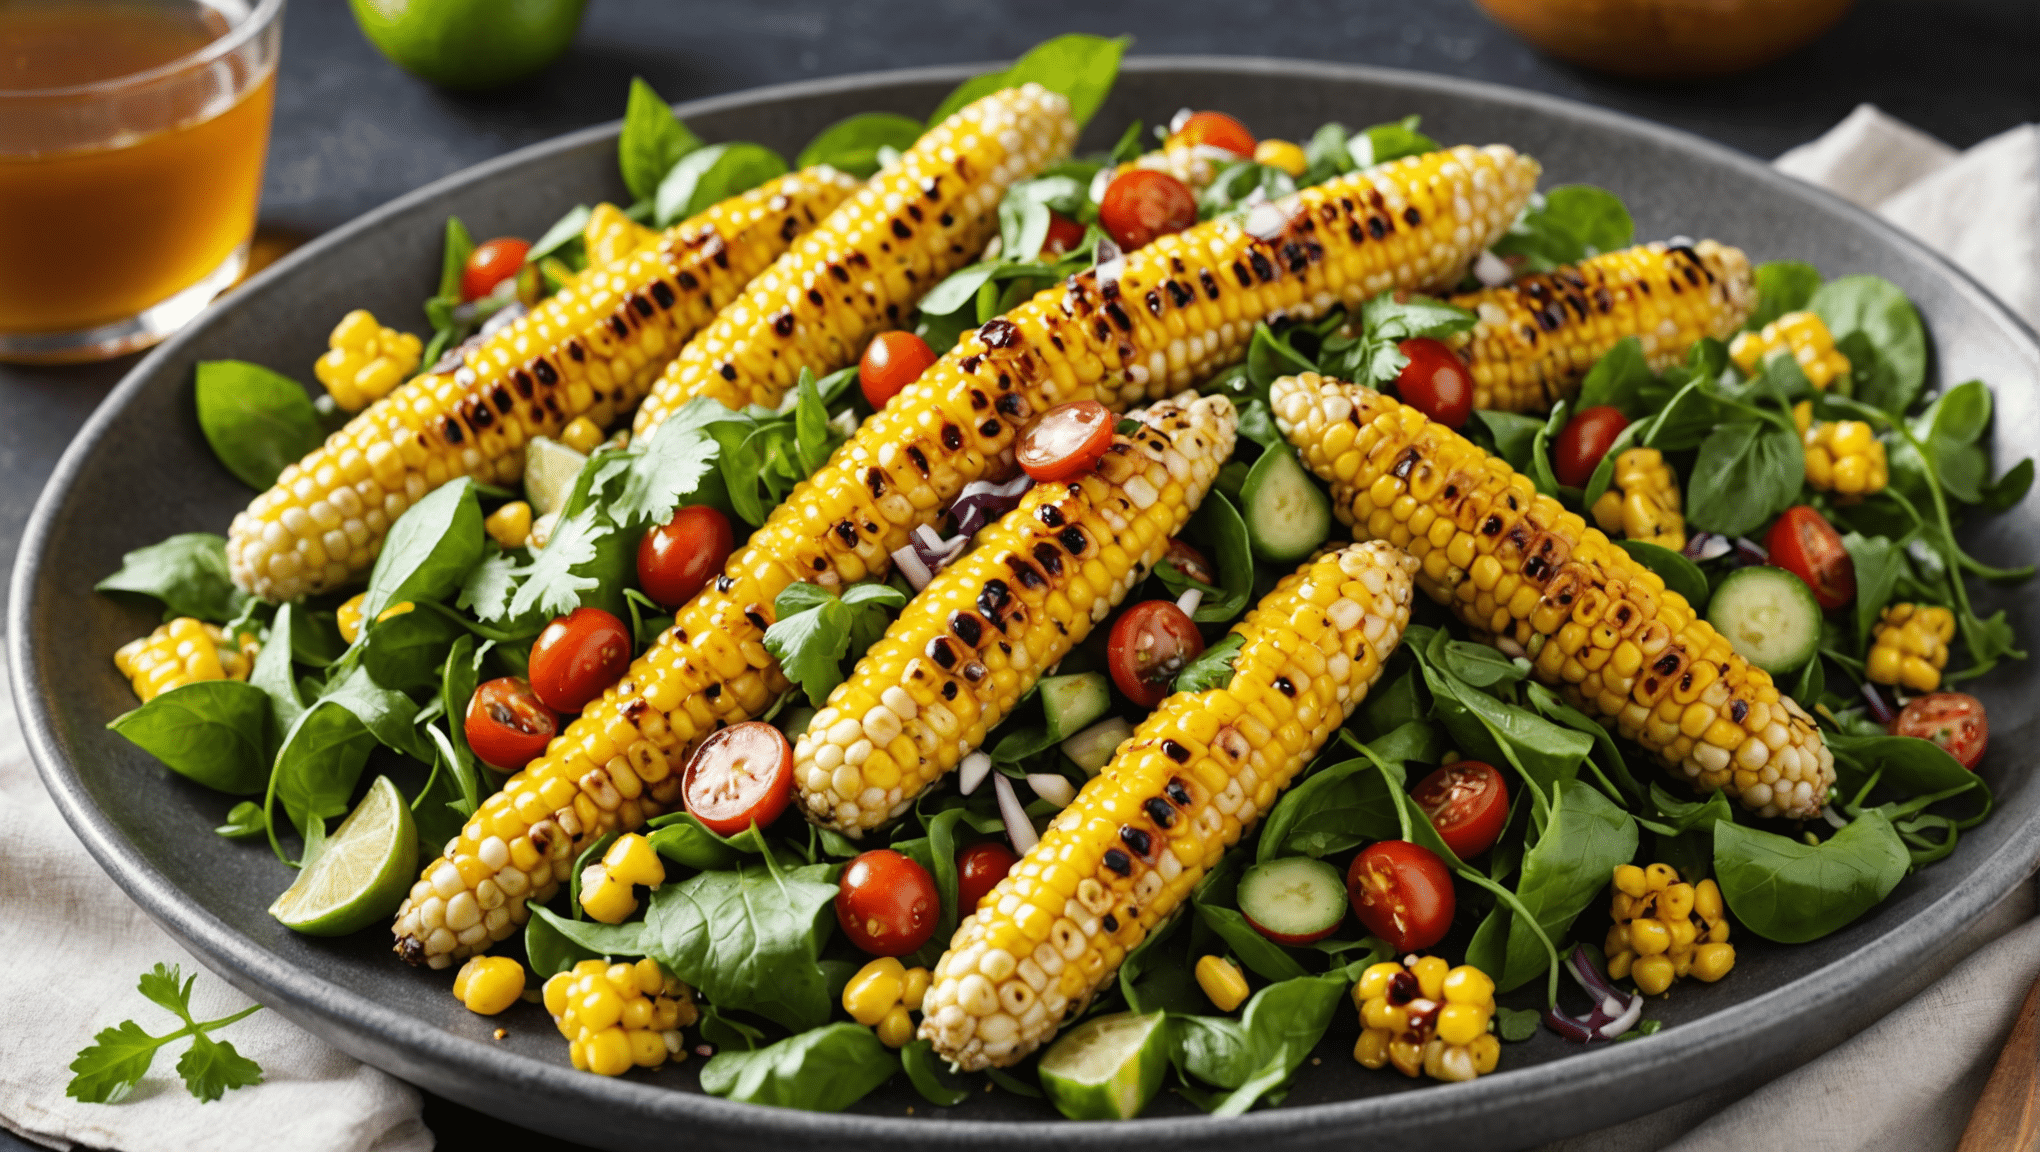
pixel 161 986
pixel 1212 669
pixel 814 630
pixel 211 1068
pixel 488 588
pixel 669 470
pixel 109 1069
pixel 1373 357
pixel 550 584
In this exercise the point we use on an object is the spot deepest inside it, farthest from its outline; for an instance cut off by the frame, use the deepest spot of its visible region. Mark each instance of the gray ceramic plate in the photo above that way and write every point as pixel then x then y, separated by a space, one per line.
pixel 140 471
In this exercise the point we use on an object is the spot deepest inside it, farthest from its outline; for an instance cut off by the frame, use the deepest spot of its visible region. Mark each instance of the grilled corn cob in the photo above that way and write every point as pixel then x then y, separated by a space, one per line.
pixel 1844 457
pixel 1537 337
pixel 364 360
pixel 593 348
pixel 182 652
pixel 977 637
pixel 1182 307
pixel 1425 1016
pixel 1537 582
pixel 1193 777
pixel 610 236
pixel 861 271
pixel 1804 335
pixel 1666 929
pixel 1909 647
pixel 1642 500
pixel 620 1016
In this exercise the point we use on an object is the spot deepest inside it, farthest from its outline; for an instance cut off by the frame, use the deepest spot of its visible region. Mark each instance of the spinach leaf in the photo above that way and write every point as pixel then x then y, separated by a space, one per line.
pixel 749 938
pixel 321 760
pixel 1563 872
pixel 1263 1048
pixel 611 941
pixel 1218 526
pixel 826 1069
pixel 688 842
pixel 1679 574
pixel 1344 805
pixel 1166 985
pixel 814 629
pixel 458 679
pixel 1679 817
pixel 1605 753
pixel 1879 310
pixel 1618 379
pixel 957 289
pixel 272 672
pixel 852 144
pixel 244 822
pixel 1879 563
pixel 258 422
pixel 1907 765
pixel 215 732
pixel 1079 66
pixel 547 949
pixel 653 141
pixel 1270 357
pixel 187 573
pixel 564 238
pixel 1748 471
pixel 1213 899
pixel 1479 665
pixel 1513 434
pixel 1949 430
pixel 1541 472
pixel 406 651
pixel 1213 668
pixel 389 715
pixel 453 258
pixel 1791 892
pixel 1782 286
pixel 712 174
pixel 1487 729
pixel 1566 225
pixel 1393 141
pixel 428 551
pixel 925 1073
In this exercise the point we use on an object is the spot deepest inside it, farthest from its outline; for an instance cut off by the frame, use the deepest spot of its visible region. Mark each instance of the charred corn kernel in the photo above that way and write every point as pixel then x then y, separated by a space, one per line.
pixel 1222 981
pixel 1842 456
pixel 1642 500
pixel 609 235
pixel 632 860
pixel 1404 1022
pixel 1800 333
pixel 582 435
pixel 509 526
pixel 1517 567
pixel 897 1029
pixel 1537 337
pixel 914 988
pixel 860 272
pixel 986 627
pixel 489 984
pixel 1661 924
pixel 605 898
pixel 364 360
pixel 1193 777
pixel 1281 154
pixel 1909 646
pixel 592 349
pixel 184 651
pixel 611 1022
pixel 348 617
pixel 875 990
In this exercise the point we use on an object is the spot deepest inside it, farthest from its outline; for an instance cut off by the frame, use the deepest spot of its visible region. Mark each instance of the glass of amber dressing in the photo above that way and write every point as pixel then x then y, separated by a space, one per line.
pixel 132 135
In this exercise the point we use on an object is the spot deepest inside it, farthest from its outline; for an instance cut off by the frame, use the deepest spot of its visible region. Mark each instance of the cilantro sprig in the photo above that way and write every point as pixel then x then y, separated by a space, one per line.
pixel 119 1057
pixel 815 629
pixel 1372 357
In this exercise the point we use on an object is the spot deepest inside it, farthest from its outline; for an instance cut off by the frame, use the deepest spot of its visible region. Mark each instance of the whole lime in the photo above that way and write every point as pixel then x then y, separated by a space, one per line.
pixel 470 44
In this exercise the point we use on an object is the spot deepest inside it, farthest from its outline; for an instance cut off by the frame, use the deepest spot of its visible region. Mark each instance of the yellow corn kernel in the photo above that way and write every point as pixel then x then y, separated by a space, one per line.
pixel 605 898
pixel 609 1052
pixel 875 990
pixel 489 984
pixel 364 360
pixel 1649 937
pixel 555 993
pixel 914 987
pixel 1629 880
pixel 1801 334
pixel 1712 961
pixel 1707 900
pixel 1653 974
pixel 1440 1041
pixel 1909 646
pixel 510 525
pixel 1461 1023
pixel 897 1029
pixel 1281 154
pixel 632 860
pixel 1430 973
pixel 1371 1050
pixel 1487 1053
pixel 1222 982
pixel 582 435
pixel 348 617
pixel 1468 985
pixel 183 651
pixel 1659 877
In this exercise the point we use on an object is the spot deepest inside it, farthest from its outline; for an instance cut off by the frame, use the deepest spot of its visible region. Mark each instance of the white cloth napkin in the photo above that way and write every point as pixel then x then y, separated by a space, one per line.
pixel 74 947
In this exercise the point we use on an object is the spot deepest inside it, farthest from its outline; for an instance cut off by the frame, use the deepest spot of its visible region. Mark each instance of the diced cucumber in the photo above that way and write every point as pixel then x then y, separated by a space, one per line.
pixel 1769 616
pixel 1092 748
pixel 1294 900
pixel 1287 515
pixel 1074 703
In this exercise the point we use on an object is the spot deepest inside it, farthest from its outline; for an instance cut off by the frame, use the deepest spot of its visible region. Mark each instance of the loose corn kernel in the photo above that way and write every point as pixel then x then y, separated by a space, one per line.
pixel 1222 981
pixel 1804 336
pixel 489 984
pixel 1281 154
pixel 1909 646
pixel 183 651
pixel 896 1030
pixel 1665 928
pixel 1712 961
pixel 582 435
pixel 1842 456
pixel 633 860
pixel 510 525
pixel 1403 1022
pixel 364 360
pixel 348 617
pixel 605 898
pixel 914 988
pixel 875 990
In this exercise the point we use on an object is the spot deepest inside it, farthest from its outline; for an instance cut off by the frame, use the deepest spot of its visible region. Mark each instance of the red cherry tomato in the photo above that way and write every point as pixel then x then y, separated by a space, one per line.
pixel 490 264
pixel 1403 893
pixel 1191 563
pixel 1064 235
pixel 1218 130
pixel 1141 204
pixel 1435 382
pixel 741 775
pixel 1954 720
pixel 1585 439
pixel 1803 543
pixel 675 560
pixel 1468 802
pixel 979 868
pixel 577 657
pixel 1150 643
pixel 507 725
pixel 1067 441
pixel 887 903
pixel 892 361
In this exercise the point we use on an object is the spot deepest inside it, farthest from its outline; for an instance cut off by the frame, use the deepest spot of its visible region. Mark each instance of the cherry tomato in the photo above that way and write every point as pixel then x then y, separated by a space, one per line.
pixel 1468 802
pixel 1803 543
pixel 1435 382
pixel 507 725
pixel 1150 643
pixel 490 264
pixel 1067 441
pixel 1585 439
pixel 1141 204
pixel 675 560
pixel 887 903
pixel 892 361
pixel 1064 234
pixel 577 657
pixel 1954 720
pixel 1218 130
pixel 979 868
pixel 741 775
pixel 1403 893
pixel 1191 563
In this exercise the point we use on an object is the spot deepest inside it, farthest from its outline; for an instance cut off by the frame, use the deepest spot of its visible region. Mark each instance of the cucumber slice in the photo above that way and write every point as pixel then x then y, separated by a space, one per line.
pixel 1287 514
pixel 1074 703
pixel 1108 1068
pixel 1092 748
pixel 1769 616
pixel 1294 900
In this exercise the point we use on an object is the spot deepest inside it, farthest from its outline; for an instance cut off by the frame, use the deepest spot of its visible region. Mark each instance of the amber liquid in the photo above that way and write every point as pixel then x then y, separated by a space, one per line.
pixel 96 235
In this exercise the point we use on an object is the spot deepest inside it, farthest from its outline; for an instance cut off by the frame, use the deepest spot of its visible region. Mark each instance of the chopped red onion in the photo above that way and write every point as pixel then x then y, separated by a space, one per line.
pixel 1707 546
pixel 1019 829
pixel 982 502
pixel 1181 118
pixel 1749 552
pixel 1267 220
pixel 971 772
pixel 1880 709
pixel 1189 600
pixel 1492 271
pixel 1613 1013
pixel 910 566
pixel 1053 787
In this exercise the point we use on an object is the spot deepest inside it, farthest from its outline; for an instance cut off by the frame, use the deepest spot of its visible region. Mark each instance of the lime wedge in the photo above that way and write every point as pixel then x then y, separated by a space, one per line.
pixel 550 469
pixel 1109 1068
pixel 363 874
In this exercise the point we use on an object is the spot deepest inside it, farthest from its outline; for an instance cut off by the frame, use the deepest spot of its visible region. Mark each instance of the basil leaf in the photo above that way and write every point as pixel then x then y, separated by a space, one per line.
pixel 1782 286
pixel 1079 66
pixel 852 144
pixel 212 731
pixel 1747 472
pixel 1879 310
pixel 823 1070
pixel 428 551
pixel 187 573
pixel 749 938
pixel 1679 574
pixel 653 140
pixel 1791 892
pixel 257 421
pixel 711 174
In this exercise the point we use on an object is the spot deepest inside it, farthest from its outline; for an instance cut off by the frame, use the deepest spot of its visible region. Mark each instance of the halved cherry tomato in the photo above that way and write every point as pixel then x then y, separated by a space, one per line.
pixel 887 903
pixel 741 775
pixel 1141 204
pixel 675 560
pixel 1585 439
pixel 1468 802
pixel 1064 234
pixel 979 868
pixel 1435 382
pixel 1954 720
pixel 1067 441
pixel 1403 893
pixel 1190 562
pixel 1218 130
pixel 1803 543
pixel 490 264
pixel 577 657
pixel 1150 643
pixel 892 361
pixel 507 725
